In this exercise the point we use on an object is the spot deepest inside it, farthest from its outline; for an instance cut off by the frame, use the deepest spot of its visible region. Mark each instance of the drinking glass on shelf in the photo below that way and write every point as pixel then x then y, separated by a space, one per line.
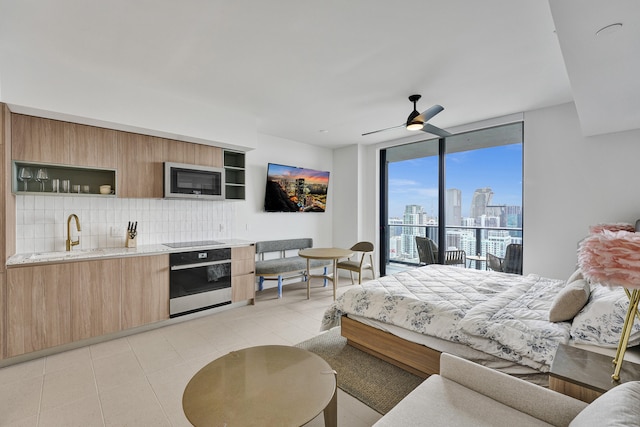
pixel 25 175
pixel 42 176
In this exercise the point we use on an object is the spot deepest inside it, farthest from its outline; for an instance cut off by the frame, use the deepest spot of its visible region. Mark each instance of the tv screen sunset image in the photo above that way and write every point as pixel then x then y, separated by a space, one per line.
pixel 293 189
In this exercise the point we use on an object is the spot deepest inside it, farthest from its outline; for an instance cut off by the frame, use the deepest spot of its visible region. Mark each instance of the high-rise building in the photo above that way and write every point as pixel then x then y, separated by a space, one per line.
pixel 395 228
pixel 481 198
pixel 413 215
pixel 454 207
pixel 395 247
pixel 513 216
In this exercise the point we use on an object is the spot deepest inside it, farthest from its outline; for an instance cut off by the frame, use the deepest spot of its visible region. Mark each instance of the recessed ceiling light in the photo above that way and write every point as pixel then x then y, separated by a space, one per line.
pixel 609 29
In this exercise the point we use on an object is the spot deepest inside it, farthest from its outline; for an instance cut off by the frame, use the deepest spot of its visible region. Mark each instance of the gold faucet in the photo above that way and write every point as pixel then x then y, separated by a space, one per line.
pixel 70 242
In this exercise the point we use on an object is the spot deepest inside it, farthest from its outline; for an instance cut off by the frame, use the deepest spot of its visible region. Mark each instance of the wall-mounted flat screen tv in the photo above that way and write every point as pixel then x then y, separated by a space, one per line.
pixel 292 189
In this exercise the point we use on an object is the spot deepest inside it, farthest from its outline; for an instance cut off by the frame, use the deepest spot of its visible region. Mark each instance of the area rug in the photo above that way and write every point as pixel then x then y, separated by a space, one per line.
pixel 374 382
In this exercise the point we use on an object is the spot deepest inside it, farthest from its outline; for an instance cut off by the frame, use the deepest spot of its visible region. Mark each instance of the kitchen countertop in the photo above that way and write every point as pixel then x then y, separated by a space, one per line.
pixel 38 258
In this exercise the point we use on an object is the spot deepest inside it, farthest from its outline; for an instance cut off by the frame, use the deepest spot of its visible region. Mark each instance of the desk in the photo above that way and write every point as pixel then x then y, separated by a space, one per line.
pixel 271 385
pixel 477 259
pixel 325 253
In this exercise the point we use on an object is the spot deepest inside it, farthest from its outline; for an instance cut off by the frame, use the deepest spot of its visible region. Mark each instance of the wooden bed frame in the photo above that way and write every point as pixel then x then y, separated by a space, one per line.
pixel 416 358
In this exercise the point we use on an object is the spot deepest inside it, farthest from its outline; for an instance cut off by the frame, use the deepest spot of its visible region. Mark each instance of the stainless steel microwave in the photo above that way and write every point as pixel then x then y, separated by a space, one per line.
pixel 183 181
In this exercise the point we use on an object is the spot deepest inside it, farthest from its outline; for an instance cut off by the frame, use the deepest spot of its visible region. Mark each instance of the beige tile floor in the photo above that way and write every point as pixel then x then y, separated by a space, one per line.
pixel 138 380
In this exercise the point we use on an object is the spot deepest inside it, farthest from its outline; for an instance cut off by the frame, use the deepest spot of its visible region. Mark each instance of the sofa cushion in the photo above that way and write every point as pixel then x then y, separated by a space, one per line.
pixel 283 245
pixel 620 406
pixel 287 265
pixel 442 402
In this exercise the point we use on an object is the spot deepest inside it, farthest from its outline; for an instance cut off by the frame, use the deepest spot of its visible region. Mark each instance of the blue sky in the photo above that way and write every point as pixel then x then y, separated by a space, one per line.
pixel 415 182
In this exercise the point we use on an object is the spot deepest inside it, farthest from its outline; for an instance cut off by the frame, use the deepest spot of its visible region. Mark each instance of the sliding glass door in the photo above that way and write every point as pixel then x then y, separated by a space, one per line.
pixel 472 181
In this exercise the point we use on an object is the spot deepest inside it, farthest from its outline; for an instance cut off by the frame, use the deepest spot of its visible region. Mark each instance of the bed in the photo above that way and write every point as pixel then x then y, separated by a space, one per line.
pixel 497 319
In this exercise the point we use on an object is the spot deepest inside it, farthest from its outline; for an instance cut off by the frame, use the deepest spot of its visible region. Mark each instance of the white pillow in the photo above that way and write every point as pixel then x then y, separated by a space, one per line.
pixel 600 321
pixel 576 275
pixel 569 301
pixel 617 407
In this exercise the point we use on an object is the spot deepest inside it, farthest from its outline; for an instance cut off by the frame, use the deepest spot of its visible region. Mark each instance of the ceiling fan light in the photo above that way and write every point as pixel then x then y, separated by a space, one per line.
pixel 413 126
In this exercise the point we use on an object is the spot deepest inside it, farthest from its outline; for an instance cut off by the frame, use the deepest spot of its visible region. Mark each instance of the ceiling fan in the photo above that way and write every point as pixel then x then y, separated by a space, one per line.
pixel 418 121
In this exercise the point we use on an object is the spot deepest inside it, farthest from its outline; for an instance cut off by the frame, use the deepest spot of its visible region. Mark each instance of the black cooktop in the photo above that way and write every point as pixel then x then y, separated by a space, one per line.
pixel 193 244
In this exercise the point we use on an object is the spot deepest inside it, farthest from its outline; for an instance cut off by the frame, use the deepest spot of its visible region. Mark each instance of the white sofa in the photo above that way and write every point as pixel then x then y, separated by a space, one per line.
pixel 468 394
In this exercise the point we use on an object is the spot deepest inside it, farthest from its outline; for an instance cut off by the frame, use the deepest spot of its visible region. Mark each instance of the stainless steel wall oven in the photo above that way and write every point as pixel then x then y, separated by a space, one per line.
pixel 199 280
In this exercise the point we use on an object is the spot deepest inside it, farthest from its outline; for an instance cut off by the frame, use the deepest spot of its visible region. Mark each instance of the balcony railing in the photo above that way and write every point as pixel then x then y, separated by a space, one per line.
pixel 474 240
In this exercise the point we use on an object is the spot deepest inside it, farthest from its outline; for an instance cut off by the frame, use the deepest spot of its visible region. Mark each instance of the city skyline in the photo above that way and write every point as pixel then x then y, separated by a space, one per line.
pixel 415 181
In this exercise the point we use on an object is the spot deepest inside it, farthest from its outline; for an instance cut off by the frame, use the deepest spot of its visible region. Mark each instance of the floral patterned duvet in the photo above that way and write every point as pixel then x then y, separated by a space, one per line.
pixel 501 314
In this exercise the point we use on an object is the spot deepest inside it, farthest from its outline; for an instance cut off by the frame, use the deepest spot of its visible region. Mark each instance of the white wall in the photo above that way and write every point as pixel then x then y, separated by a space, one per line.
pixel 66 91
pixel 347 196
pixel 253 223
pixel 570 182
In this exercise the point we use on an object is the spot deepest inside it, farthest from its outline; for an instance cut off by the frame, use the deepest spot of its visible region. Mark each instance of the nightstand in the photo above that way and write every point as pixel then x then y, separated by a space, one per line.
pixel 585 375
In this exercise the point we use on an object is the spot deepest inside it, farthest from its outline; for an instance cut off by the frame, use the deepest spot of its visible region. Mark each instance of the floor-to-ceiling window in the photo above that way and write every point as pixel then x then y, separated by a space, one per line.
pixel 472 180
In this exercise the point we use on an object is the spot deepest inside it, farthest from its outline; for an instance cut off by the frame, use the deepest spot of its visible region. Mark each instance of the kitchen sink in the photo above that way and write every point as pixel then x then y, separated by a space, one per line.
pixel 62 255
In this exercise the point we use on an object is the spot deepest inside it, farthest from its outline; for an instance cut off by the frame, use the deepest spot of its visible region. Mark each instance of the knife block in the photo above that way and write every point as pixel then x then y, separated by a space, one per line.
pixel 131 242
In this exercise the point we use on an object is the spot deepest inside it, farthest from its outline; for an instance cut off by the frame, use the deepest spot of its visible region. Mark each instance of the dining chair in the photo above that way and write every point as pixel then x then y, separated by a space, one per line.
pixel 495 263
pixel 513 259
pixel 357 262
pixel 428 253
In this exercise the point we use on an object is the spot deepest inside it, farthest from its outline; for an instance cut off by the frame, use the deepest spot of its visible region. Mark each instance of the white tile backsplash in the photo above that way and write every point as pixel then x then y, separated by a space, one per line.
pixel 41 221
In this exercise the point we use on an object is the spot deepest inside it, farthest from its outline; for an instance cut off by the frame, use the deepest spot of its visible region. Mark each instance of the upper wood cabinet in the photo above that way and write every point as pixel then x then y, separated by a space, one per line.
pixel 138 158
pixel 91 146
pixel 206 155
pixel 180 152
pixel 140 165
pixel 37 140
pixel 193 154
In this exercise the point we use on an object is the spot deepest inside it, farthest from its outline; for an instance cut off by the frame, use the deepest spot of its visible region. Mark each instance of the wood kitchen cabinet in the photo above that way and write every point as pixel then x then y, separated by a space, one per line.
pixel 180 152
pixel 95 298
pixel 207 155
pixel 90 146
pixel 145 290
pixel 38 308
pixel 3 338
pixel 140 165
pixel 243 278
pixel 37 140
pixel 193 154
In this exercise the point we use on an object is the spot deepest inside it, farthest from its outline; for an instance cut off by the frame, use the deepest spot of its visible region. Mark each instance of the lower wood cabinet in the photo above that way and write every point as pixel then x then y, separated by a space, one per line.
pixel 95 298
pixel 145 290
pixel 3 309
pixel 38 308
pixel 243 279
pixel 51 305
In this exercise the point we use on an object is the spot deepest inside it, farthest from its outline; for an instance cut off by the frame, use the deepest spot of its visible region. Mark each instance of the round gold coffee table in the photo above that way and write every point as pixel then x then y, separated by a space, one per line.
pixel 262 386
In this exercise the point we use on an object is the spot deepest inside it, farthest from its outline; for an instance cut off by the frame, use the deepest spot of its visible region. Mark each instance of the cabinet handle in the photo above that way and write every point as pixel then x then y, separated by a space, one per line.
pixel 200 264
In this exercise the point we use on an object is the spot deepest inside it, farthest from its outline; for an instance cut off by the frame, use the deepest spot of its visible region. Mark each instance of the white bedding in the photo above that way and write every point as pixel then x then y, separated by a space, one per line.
pixel 504 315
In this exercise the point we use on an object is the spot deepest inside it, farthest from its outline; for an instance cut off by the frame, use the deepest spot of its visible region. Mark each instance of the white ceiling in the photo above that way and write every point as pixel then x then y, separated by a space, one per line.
pixel 296 67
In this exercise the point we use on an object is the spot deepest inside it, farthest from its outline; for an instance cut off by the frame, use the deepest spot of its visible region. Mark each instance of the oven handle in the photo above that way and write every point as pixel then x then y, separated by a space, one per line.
pixel 200 264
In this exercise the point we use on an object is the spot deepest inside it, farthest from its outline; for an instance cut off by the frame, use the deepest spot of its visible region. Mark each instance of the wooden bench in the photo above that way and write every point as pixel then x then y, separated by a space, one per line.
pixel 282 261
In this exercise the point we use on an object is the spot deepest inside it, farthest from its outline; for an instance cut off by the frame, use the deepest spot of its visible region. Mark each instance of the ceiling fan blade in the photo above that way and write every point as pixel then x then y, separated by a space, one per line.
pixel 385 129
pixel 429 113
pixel 434 130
